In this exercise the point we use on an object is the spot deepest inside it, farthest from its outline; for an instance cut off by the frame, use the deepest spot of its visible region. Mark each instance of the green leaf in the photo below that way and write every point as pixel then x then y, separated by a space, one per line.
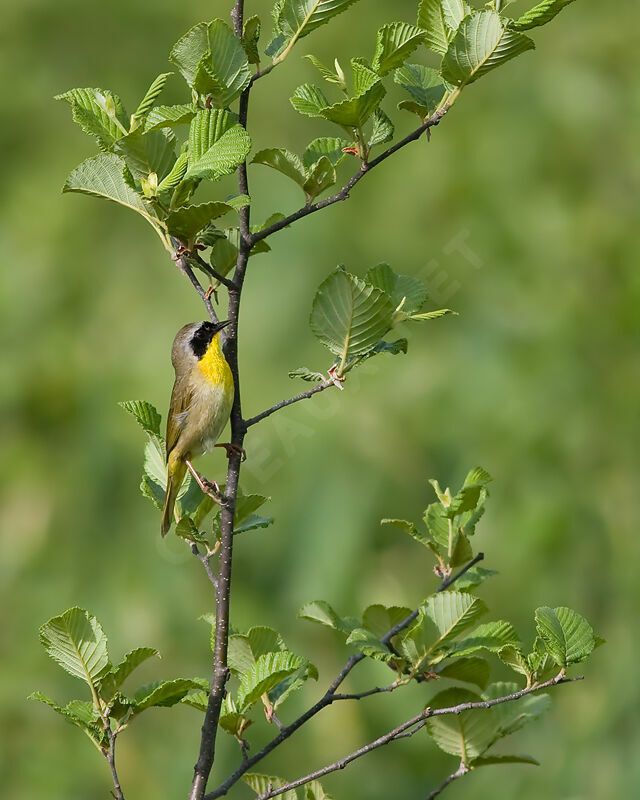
pixel 481 44
pixel 540 14
pixel 169 116
pixel 440 312
pixel 512 656
pixel 453 613
pixel 104 176
pixel 261 784
pixel 369 644
pixel 309 100
pixel 266 674
pixel 470 670
pixel 329 75
pixel 314 791
pixel 321 612
pixel 381 619
pixel 383 128
pixel 490 636
pixel 425 86
pixel 395 43
pixel 216 145
pixel 354 112
pixel 283 161
pixel 213 62
pixel 485 761
pixel 568 636
pixel 478 476
pixel 291 684
pixel 307 375
pixel 99 113
pixel 332 148
pixel 251 37
pixel 474 577
pixel 321 176
pixel 295 19
pixel 114 679
pixel 145 415
pixel 154 461
pixel 147 153
pixel 398 287
pixel 246 648
pixel 512 716
pixel 440 20
pixel 76 641
pixel 153 92
pixel 186 222
pixel 466 735
pixel 174 178
pixel 435 518
pixel 163 694
pixel 78 713
pixel 350 316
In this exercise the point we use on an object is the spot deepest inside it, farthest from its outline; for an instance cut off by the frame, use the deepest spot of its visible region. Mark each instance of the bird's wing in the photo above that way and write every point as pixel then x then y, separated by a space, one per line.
pixel 181 398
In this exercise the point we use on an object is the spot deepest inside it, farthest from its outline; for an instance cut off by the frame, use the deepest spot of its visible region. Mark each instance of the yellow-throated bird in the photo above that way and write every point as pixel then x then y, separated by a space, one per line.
pixel 200 404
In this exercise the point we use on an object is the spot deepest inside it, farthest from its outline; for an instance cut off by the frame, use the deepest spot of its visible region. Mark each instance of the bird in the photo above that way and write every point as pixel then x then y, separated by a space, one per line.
pixel 200 405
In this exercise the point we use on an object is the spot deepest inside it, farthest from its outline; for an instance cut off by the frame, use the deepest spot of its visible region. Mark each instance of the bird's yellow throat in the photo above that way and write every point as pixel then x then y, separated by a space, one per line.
pixel 214 367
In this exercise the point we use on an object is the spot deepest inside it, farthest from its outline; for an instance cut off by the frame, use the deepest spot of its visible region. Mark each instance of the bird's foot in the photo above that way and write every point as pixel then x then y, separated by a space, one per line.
pixel 210 488
pixel 233 449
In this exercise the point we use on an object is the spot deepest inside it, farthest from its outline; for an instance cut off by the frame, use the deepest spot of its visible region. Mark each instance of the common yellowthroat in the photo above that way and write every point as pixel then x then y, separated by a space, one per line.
pixel 201 402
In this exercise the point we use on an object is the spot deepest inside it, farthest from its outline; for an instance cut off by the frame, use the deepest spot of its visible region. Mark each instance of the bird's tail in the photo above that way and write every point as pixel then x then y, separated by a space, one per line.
pixel 176 469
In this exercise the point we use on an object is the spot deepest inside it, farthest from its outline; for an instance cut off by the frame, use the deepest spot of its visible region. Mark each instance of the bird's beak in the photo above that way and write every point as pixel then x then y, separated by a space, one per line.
pixel 222 325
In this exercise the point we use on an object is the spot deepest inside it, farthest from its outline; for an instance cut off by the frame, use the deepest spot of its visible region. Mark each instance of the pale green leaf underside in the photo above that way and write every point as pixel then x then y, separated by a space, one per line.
pixel 540 14
pixel 76 641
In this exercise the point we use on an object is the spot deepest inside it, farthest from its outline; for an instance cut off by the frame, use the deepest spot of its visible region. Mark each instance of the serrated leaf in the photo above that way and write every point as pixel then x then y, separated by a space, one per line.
pixel 154 461
pixel 175 177
pixel 369 644
pixel 246 648
pixel 567 635
pixel 478 476
pixel 152 94
pixel 291 684
pixel 469 670
pixel 283 161
pixel 309 100
pixel 251 37
pixel 103 176
pixel 513 657
pixel 383 128
pixel 474 577
pixel 354 112
pixel 307 375
pixel 186 222
pixel 453 613
pixel 381 619
pixel 145 415
pixel 465 735
pixel 99 113
pixel 314 791
pixel 440 312
pixel 216 145
pixel 481 44
pixel 490 636
pixel 332 148
pixel 398 287
pixel 540 14
pixel 350 316
pixel 152 491
pixel 395 43
pixel 425 86
pixel 163 694
pixel 147 153
pixel 76 641
pixel 435 518
pixel 213 62
pixel 440 20
pixel 78 713
pixel 295 19
pixel 329 75
pixel 321 176
pixel 512 716
pixel 169 116
pixel 265 674
pixel 261 784
pixel 114 679
pixel 320 611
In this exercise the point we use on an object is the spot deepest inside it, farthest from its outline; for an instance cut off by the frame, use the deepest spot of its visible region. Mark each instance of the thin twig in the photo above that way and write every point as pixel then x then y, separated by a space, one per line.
pixel 328 698
pixel 110 755
pixel 463 769
pixel 204 265
pixel 343 194
pixel 408 728
pixel 185 267
pixel 206 563
pixel 319 387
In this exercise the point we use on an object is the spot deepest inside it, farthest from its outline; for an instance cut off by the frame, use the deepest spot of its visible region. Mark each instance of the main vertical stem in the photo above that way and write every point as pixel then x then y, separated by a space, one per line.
pixel 223 594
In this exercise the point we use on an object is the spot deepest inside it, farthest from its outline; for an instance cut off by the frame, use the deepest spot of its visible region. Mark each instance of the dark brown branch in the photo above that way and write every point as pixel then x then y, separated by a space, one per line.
pixel 319 387
pixel 211 272
pixel 217 691
pixel 329 697
pixel 343 194
pixel 110 755
pixel 408 728
pixel 463 769
pixel 185 267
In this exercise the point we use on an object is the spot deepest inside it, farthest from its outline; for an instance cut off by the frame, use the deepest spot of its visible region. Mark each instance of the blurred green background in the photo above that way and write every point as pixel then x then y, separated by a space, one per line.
pixel 522 214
